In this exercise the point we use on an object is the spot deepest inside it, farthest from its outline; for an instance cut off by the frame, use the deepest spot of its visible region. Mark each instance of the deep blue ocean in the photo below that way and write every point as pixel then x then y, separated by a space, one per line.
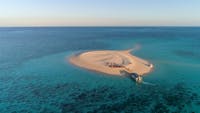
pixel 35 76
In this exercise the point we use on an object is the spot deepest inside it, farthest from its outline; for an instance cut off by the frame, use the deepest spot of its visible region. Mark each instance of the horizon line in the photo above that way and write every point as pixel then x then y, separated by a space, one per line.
pixel 104 26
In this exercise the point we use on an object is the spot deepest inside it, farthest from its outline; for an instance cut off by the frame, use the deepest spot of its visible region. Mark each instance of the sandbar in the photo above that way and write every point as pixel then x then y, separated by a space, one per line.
pixel 111 62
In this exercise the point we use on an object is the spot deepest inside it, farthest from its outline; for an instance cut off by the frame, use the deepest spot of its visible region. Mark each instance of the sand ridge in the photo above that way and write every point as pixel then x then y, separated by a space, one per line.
pixel 111 62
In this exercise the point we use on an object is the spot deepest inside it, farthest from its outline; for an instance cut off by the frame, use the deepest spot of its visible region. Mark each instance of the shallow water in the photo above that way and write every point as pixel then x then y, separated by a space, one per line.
pixel 36 77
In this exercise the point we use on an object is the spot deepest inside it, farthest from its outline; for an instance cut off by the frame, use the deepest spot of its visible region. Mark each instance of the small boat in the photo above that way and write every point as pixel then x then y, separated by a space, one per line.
pixel 136 77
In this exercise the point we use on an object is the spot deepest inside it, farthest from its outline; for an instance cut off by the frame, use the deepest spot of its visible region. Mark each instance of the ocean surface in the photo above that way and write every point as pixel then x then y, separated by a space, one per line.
pixel 35 76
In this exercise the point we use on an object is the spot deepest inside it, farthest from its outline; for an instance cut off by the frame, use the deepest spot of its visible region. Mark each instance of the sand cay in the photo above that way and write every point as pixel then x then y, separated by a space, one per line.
pixel 112 62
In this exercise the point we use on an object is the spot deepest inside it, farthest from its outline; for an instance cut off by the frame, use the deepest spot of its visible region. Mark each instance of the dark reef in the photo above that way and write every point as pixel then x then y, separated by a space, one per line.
pixel 186 54
pixel 105 99
pixel 176 99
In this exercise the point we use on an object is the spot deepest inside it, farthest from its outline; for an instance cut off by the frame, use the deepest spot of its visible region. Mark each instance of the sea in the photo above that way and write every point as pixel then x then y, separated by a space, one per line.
pixel 36 77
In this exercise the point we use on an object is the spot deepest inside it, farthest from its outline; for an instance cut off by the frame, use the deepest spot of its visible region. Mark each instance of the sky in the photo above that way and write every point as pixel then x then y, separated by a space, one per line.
pixel 99 12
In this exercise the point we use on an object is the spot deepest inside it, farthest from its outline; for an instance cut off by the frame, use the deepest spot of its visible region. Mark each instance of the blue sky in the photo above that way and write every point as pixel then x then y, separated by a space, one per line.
pixel 99 12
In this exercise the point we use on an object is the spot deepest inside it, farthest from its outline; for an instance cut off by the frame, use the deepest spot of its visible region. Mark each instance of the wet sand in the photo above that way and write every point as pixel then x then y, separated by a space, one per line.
pixel 111 62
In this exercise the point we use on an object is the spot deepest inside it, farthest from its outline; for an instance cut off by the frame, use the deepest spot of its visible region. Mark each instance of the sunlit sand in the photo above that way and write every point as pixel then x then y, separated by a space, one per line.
pixel 111 62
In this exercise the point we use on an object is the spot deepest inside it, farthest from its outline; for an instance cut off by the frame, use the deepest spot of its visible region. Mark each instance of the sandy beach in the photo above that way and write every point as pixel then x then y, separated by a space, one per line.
pixel 111 62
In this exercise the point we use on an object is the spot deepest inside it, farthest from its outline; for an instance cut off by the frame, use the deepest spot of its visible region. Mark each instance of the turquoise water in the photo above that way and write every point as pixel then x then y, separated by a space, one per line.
pixel 35 76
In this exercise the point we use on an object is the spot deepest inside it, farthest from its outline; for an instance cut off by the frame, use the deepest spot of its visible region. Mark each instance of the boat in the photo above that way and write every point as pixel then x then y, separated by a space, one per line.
pixel 136 77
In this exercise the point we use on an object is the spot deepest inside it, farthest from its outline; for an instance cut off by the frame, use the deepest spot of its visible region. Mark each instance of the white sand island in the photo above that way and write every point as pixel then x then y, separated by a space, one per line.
pixel 111 62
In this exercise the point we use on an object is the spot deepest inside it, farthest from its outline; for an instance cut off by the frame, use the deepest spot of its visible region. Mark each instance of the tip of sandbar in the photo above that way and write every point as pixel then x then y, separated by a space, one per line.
pixel 128 51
